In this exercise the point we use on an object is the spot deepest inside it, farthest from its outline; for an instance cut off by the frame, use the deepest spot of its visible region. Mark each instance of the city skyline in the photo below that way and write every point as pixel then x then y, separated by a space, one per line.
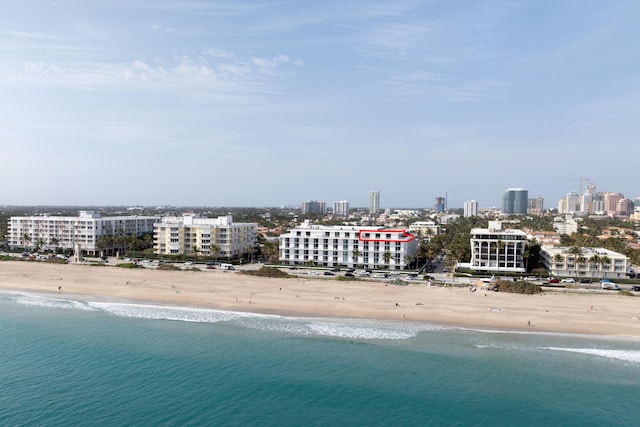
pixel 190 103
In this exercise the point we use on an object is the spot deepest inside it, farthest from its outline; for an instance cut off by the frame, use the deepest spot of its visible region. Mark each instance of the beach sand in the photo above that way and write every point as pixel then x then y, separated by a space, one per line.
pixel 597 313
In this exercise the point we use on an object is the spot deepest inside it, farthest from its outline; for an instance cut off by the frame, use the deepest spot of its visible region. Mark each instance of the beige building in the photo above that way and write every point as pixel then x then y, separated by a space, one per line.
pixel 193 235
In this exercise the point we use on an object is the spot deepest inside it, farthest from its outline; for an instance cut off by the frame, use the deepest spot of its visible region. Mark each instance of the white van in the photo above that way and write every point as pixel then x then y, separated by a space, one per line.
pixel 227 267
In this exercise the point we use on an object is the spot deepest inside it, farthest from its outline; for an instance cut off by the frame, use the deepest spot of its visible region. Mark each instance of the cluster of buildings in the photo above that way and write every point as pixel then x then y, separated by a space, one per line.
pixel 173 235
pixel 592 202
pixel 340 207
pixel 495 249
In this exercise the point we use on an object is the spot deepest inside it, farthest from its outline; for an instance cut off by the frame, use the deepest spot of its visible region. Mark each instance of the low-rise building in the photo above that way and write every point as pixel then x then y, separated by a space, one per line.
pixel 191 234
pixel 497 250
pixel 347 246
pixel 590 263
pixel 79 233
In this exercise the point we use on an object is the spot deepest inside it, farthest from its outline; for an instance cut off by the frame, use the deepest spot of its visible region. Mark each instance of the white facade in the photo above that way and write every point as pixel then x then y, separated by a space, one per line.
pixel 374 202
pixel 347 246
pixel 470 208
pixel 496 250
pixel 193 235
pixel 83 231
pixel 598 263
pixel 341 208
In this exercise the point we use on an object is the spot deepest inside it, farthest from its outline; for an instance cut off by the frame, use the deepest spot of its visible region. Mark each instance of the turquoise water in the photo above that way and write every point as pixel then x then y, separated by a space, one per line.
pixel 95 363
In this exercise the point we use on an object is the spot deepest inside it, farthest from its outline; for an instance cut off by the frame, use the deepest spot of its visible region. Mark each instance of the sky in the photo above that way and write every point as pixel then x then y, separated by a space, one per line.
pixel 269 103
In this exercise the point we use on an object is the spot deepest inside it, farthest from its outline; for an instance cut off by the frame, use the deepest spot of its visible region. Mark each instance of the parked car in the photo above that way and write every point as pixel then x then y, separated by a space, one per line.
pixel 348 274
pixel 554 280
pixel 567 280
pixel 610 286
pixel 531 278
pixel 328 273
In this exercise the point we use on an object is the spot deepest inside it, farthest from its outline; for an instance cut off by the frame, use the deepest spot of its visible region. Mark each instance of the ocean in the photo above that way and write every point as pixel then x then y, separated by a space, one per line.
pixel 66 363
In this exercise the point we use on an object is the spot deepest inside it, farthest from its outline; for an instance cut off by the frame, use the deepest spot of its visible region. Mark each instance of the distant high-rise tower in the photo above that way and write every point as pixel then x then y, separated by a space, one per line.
pixel 374 202
pixel 536 206
pixel 515 201
pixel 341 208
pixel 314 207
pixel 573 202
pixel 611 202
pixel 470 208
pixel 440 204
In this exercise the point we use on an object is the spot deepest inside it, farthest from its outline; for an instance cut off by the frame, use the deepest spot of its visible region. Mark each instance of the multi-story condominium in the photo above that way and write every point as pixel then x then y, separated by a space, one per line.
pixel 440 204
pixel 496 250
pixel 624 207
pixel 341 208
pixel 587 199
pixel 313 207
pixel 566 225
pixel 79 233
pixel 470 208
pixel 374 202
pixel 573 202
pixel 535 206
pixel 193 235
pixel 515 201
pixel 596 263
pixel 611 202
pixel 347 246
pixel 599 205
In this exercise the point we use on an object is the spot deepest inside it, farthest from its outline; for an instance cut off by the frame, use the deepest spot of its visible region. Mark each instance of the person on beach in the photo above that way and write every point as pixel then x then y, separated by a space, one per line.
pixel 59 289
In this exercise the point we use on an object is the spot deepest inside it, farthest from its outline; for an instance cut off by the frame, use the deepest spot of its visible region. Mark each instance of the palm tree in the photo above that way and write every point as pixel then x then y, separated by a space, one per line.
pixel 576 251
pixel 356 254
pixel 557 259
pixel 605 261
pixel 408 259
pixel 387 259
pixel 25 238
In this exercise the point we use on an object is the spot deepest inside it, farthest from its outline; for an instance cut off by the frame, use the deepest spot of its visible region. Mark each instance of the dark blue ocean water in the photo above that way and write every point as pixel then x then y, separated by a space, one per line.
pixel 89 363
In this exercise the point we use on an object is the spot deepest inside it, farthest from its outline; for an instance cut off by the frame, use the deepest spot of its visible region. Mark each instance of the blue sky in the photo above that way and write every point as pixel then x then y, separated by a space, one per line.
pixel 264 103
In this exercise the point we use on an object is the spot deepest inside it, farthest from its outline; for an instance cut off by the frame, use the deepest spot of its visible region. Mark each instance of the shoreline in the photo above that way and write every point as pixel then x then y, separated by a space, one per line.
pixel 550 312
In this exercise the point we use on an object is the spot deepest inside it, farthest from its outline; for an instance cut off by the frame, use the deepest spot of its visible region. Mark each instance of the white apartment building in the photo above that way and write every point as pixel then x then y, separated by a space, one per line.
pixel 496 250
pixel 82 232
pixel 374 202
pixel 193 235
pixel 596 263
pixel 470 208
pixel 347 246
pixel 341 208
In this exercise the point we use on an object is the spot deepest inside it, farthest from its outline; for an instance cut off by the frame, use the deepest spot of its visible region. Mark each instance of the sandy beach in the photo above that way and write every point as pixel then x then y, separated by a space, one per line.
pixel 595 313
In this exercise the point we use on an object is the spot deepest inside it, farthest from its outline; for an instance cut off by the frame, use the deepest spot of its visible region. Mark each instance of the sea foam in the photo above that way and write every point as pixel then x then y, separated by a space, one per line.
pixel 624 355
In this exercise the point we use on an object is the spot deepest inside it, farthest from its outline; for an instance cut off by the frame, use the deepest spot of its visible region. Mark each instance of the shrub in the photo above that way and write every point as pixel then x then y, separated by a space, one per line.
pixel 267 272
pixel 168 267
pixel 129 265
pixel 519 287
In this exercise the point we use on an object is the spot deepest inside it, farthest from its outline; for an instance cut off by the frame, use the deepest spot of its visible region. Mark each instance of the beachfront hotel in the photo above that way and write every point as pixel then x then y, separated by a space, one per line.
pixel 79 233
pixel 497 250
pixel 347 246
pixel 590 263
pixel 191 234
